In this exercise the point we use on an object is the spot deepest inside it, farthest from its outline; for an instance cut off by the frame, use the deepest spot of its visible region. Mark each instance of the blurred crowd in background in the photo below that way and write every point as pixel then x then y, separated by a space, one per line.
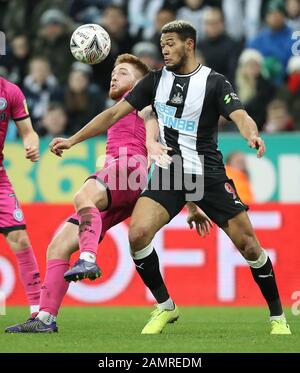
pixel 249 41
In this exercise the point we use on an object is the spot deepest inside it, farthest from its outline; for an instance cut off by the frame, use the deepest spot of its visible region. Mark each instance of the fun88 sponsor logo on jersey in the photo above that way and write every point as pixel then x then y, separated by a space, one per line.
pixel 166 115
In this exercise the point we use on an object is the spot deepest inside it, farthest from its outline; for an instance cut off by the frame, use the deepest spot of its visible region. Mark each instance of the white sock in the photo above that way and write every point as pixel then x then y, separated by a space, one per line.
pixel 167 305
pixel 46 317
pixel 89 257
pixel 280 317
pixel 34 308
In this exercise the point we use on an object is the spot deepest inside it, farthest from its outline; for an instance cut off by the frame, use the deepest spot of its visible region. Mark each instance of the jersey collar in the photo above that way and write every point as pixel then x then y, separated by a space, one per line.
pixel 190 74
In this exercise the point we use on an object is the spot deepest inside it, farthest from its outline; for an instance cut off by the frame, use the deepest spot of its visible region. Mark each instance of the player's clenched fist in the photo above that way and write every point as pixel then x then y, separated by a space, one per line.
pixel 58 145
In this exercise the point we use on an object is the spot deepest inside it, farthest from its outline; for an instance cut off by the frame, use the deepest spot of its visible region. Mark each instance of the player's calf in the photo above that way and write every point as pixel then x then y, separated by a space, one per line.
pixel 263 274
pixel 27 265
pixel 59 248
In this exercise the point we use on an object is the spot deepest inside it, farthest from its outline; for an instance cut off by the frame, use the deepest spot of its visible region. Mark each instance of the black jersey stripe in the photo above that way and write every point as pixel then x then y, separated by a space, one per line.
pixel 171 139
pixel 178 94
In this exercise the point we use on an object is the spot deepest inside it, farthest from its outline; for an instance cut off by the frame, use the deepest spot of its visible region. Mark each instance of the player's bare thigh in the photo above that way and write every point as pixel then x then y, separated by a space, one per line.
pixel 64 243
pixel 92 193
pixel 148 217
pixel 240 231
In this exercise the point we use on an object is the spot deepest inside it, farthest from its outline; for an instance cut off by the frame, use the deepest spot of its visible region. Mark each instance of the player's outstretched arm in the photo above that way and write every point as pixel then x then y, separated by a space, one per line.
pixel 30 139
pixel 151 124
pixel 248 130
pixel 97 126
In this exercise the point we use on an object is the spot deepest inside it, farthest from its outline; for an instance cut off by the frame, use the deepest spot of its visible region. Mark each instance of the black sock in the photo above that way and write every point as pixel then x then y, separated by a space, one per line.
pixel 148 269
pixel 265 279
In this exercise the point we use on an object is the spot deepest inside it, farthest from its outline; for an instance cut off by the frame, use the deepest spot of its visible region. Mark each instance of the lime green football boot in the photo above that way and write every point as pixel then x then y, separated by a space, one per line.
pixel 159 319
pixel 280 326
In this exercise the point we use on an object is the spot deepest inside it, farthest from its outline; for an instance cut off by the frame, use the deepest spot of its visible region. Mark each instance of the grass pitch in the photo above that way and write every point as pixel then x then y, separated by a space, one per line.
pixel 117 329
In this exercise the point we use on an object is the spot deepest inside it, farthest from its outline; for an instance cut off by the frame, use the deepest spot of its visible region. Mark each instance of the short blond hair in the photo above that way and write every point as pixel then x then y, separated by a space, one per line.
pixel 133 60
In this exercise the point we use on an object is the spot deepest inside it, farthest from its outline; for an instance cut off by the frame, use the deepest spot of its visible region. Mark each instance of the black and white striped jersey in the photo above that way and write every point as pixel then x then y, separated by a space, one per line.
pixel 188 108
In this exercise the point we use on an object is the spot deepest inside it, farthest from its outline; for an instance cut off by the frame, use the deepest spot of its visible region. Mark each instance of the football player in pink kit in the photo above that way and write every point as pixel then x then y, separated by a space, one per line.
pixel 12 222
pixel 106 198
pixel 99 204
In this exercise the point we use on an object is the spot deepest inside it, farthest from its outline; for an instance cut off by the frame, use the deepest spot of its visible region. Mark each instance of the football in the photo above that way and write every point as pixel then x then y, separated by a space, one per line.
pixel 90 44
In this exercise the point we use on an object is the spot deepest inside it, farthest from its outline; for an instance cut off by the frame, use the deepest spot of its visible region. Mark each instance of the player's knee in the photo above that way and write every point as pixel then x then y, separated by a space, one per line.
pixel 101 201
pixel 250 248
pixel 18 240
pixel 138 237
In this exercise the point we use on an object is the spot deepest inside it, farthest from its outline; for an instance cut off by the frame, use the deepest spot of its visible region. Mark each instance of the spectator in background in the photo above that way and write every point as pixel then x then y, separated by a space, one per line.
pixel 114 20
pixel 163 16
pixel 17 59
pixel 148 53
pixel 275 42
pixel 173 4
pixel 220 52
pixel 278 117
pixel 53 42
pixel 290 92
pixel 253 89
pixel 23 16
pixel 242 18
pixel 3 10
pixel 54 121
pixel 141 15
pixel 82 100
pixel 292 8
pixel 87 11
pixel 193 12
pixel 236 169
pixel 157 13
pixel 38 86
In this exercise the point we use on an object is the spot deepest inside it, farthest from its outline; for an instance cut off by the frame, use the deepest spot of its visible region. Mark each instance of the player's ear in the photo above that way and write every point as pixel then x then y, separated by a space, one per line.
pixel 190 44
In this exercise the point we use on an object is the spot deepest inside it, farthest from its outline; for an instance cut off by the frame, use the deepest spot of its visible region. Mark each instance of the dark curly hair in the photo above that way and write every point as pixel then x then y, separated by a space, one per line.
pixel 184 30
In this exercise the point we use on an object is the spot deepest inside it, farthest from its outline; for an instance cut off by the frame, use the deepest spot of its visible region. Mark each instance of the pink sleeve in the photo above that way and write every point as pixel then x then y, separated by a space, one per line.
pixel 19 108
